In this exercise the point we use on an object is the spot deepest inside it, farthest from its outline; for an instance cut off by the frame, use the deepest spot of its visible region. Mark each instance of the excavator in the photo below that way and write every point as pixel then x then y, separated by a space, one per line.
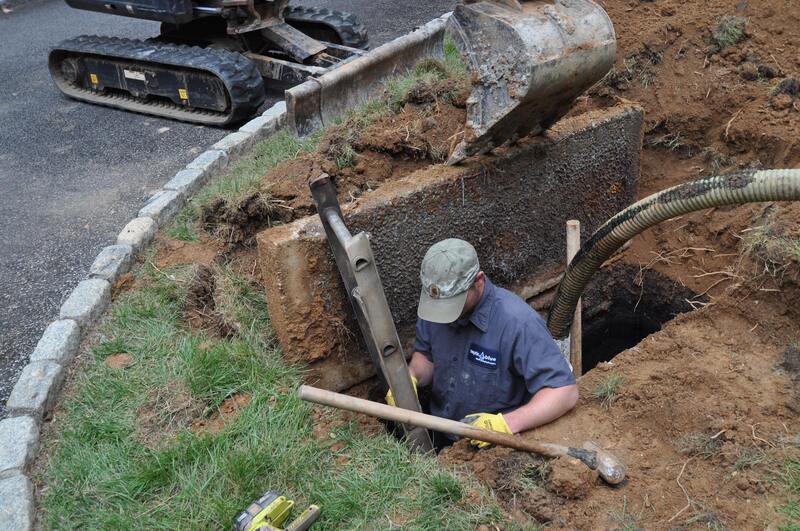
pixel 527 61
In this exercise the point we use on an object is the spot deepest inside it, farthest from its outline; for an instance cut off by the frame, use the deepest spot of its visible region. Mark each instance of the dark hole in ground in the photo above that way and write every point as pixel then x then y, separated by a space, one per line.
pixel 622 306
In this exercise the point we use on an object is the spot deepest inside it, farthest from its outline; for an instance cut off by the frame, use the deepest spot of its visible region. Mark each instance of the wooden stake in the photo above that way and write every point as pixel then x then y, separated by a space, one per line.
pixel 575 332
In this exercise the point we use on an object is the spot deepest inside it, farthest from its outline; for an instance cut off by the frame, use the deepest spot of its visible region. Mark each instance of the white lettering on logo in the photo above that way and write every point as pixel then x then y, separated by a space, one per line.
pixel 482 357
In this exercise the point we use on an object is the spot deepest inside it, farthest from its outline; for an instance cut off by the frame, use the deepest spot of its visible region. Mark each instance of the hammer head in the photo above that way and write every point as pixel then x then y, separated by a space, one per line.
pixel 609 468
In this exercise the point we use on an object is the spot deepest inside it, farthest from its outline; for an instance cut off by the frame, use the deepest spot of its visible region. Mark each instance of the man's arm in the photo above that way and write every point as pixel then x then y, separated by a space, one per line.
pixel 545 406
pixel 421 368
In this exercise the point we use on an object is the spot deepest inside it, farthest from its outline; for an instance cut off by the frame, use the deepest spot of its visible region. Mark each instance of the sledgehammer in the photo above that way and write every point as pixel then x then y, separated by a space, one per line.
pixel 607 466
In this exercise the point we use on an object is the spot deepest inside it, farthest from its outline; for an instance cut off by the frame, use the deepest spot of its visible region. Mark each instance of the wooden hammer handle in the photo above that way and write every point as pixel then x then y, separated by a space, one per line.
pixel 406 416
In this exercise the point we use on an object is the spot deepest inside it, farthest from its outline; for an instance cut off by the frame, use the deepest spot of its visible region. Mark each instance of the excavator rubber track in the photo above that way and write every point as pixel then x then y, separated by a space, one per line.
pixel 349 30
pixel 201 85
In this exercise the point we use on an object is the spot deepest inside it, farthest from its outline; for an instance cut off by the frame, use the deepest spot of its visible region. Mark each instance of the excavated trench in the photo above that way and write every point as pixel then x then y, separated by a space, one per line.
pixel 623 305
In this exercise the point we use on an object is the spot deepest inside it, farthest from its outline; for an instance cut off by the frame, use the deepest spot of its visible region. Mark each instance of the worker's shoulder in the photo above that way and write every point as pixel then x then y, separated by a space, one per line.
pixel 511 308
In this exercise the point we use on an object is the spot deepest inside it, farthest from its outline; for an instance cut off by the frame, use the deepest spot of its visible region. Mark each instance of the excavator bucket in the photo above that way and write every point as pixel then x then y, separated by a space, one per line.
pixel 527 62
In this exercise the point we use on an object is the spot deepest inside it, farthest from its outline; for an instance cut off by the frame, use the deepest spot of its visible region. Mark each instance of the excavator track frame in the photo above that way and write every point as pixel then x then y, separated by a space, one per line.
pixel 242 83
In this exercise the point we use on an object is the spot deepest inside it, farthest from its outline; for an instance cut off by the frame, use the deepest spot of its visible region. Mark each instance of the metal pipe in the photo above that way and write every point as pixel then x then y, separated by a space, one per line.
pixel 748 186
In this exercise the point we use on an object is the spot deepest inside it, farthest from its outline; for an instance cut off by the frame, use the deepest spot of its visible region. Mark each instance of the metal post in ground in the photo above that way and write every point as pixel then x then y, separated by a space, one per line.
pixel 575 332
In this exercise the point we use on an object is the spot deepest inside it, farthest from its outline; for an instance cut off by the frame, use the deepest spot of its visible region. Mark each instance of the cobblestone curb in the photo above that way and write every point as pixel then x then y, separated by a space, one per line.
pixel 34 395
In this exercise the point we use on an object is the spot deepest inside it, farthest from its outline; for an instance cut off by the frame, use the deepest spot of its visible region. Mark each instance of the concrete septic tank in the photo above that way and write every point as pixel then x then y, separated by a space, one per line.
pixel 512 207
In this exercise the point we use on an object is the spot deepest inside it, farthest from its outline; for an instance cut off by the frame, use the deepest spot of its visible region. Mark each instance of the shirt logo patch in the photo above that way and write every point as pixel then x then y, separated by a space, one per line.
pixel 485 357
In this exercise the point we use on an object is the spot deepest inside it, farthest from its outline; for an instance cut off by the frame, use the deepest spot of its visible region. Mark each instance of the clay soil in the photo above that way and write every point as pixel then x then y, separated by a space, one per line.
pixel 706 409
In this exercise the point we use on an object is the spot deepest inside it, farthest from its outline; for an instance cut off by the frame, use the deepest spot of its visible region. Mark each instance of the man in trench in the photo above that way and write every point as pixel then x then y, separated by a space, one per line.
pixel 487 355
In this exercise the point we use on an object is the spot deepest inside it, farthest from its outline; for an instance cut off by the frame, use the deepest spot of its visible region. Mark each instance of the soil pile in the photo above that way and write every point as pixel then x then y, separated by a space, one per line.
pixel 394 139
pixel 703 418
pixel 718 81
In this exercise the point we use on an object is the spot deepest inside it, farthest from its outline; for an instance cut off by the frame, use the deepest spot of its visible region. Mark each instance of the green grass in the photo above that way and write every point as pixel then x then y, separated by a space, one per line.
pixel 791 480
pixel 700 444
pixel 184 226
pixel 624 518
pixel 104 473
pixel 749 457
pixel 730 30
pixel 606 391
pixel 246 176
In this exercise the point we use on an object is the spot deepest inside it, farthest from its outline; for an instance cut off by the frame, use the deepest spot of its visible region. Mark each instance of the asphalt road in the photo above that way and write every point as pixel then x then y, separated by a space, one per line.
pixel 72 174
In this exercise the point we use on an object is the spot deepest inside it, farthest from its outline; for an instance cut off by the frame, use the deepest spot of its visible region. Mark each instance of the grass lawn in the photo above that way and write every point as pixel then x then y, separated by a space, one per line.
pixel 128 458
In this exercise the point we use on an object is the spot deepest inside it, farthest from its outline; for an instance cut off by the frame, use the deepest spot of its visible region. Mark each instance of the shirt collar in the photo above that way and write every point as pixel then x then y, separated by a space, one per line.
pixel 480 315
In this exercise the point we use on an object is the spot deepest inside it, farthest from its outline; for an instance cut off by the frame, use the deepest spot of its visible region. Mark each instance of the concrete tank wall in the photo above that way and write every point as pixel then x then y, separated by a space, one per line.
pixel 512 207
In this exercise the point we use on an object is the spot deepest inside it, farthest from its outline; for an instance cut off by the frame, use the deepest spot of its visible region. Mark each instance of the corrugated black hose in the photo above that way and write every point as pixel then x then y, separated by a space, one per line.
pixel 749 186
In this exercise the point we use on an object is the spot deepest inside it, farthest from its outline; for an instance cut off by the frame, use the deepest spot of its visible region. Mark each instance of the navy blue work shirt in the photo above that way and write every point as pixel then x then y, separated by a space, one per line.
pixel 492 362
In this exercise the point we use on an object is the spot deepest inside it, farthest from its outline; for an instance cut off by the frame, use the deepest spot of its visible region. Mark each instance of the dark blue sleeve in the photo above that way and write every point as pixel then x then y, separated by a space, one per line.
pixel 423 341
pixel 537 357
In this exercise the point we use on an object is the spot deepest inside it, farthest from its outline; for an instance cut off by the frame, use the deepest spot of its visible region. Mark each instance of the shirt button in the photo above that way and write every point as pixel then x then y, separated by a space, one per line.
pixel 455 358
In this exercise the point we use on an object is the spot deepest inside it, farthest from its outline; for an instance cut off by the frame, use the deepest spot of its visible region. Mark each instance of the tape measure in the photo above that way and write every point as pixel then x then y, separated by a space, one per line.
pixel 270 511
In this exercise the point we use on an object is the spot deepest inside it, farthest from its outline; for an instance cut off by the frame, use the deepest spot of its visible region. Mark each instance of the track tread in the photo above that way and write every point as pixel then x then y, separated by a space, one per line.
pixel 239 75
pixel 350 30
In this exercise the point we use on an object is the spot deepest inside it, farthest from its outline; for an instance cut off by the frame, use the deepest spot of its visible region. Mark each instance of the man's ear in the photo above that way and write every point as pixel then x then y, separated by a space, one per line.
pixel 480 277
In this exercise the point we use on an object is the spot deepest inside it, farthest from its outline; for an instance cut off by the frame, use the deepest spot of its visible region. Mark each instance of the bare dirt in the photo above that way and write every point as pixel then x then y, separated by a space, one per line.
pixel 201 309
pixel 221 417
pixel 359 154
pixel 119 361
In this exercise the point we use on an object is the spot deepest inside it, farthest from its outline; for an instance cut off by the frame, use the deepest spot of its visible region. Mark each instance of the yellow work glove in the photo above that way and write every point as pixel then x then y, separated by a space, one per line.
pixel 487 421
pixel 390 397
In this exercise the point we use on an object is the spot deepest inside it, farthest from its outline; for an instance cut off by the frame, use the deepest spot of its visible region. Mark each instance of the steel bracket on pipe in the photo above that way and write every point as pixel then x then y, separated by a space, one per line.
pixel 356 264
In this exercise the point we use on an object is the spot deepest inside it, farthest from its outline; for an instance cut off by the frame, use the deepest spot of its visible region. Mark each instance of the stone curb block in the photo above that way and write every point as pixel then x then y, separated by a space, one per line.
pixel 19 440
pixel 137 233
pixel 162 206
pixel 235 144
pixel 266 124
pixel 112 261
pixel 210 161
pixel 59 343
pixel 278 112
pixel 87 301
pixel 36 390
pixel 188 181
pixel 16 504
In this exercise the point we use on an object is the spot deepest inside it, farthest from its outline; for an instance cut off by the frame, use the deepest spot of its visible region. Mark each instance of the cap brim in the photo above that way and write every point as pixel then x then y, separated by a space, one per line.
pixel 441 310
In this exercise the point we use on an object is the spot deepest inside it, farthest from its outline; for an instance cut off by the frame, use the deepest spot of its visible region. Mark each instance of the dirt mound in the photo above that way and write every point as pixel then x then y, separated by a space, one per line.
pixel 366 150
pixel 704 412
pixel 718 80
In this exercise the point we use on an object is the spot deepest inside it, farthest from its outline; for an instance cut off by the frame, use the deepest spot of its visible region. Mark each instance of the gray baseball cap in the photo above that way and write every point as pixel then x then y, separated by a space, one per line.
pixel 448 270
